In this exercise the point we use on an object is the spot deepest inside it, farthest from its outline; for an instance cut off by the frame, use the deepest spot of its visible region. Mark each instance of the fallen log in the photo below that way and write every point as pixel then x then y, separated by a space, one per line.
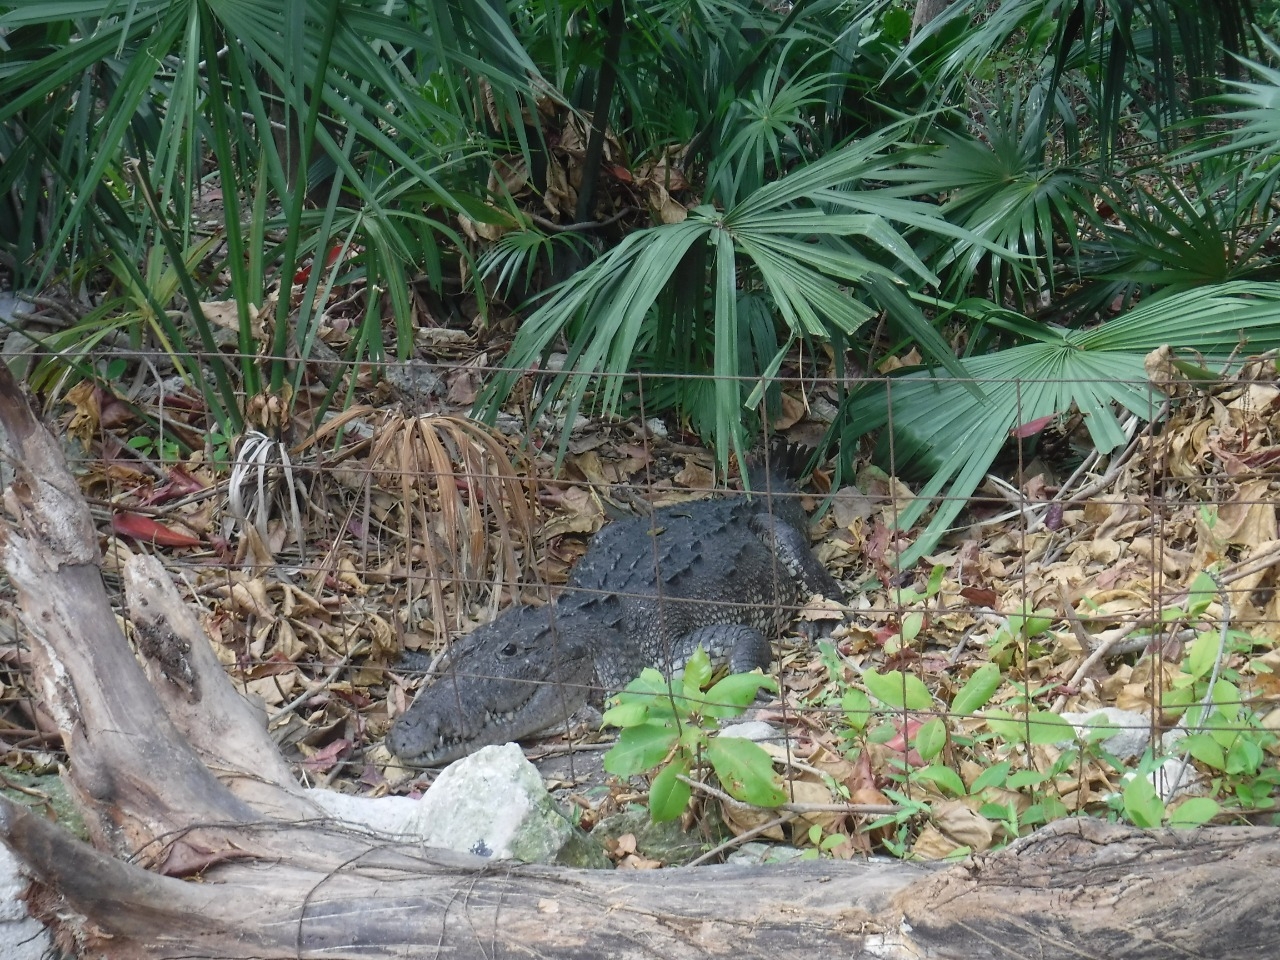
pixel 205 846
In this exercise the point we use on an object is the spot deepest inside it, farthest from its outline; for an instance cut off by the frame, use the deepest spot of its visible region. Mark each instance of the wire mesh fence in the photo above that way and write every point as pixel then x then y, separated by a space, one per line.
pixel 1099 600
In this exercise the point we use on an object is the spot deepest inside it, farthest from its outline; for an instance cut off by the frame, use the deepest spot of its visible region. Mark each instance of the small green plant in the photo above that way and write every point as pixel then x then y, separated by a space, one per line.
pixel 1225 736
pixel 165 451
pixel 1018 634
pixel 671 724
pixel 913 621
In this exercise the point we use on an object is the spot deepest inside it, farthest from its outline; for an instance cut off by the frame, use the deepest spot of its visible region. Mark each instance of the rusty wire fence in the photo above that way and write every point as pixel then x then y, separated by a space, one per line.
pixel 1138 579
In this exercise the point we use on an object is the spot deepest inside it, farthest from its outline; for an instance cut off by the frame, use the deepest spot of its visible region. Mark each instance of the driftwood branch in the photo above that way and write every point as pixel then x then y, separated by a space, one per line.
pixel 205 846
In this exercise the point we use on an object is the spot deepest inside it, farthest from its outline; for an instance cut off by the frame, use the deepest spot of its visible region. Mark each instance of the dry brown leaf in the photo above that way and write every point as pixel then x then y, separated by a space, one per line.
pixel 791 410
pixel 589 467
pixel 636 862
pixel 272 690
pixel 742 820
pixel 695 475
pixel 347 575
pixel 1249 518
pixel 249 599
pixel 580 512
pixel 83 425
pixel 808 790
pixel 287 645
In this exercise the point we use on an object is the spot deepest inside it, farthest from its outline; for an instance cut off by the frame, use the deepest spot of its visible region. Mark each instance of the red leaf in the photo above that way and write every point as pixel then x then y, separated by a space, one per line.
pixel 1032 428
pixel 304 274
pixel 326 757
pixel 981 596
pixel 181 483
pixel 137 527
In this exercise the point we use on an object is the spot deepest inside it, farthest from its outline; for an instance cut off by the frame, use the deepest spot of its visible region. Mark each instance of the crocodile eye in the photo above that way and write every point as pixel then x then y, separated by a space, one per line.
pixel 509 650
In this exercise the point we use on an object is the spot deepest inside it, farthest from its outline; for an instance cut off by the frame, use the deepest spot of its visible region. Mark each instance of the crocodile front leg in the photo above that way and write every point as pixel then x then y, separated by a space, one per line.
pixel 792 548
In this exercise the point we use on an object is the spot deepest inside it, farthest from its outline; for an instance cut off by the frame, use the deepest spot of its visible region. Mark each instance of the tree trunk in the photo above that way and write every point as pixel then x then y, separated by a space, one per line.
pixel 176 774
pixel 925 12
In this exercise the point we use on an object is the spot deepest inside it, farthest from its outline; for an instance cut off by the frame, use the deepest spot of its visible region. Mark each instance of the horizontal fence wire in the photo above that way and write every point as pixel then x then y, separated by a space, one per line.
pixel 333 610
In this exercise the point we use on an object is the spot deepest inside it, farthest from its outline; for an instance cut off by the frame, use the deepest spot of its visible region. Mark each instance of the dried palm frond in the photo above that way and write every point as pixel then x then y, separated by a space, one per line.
pixel 448 488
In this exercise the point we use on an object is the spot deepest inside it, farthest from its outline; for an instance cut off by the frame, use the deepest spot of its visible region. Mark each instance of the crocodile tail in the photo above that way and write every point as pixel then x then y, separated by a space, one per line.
pixel 780 463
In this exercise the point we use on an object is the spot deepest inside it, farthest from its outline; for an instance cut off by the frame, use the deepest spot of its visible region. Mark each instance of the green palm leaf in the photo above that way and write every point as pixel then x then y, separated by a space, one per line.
pixel 640 305
pixel 938 428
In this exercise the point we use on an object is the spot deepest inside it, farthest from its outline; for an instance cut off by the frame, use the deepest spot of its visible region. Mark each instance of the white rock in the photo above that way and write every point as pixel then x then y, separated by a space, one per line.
pixel 1132 730
pixel 22 936
pixel 492 804
pixel 756 730
pixel 1172 780
pixel 657 427
pixel 394 816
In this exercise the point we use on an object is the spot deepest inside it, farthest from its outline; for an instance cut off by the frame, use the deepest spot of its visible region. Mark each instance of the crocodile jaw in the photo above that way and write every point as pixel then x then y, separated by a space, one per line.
pixel 433 731
pixel 513 678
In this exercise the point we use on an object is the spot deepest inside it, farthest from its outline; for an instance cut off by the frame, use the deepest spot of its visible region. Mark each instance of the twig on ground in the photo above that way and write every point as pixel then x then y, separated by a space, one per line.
pixel 318 685
pixel 1096 655
pixel 741 839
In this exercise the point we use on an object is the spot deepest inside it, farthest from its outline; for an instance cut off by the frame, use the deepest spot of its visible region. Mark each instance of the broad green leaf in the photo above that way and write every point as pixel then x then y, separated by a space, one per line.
pixel 692 738
pixel 1037 623
pixel 912 624
pixel 1142 805
pixel 931 738
pixel 1098 728
pixel 1228 699
pixel 1004 725
pixel 894 689
pixel 944 777
pixel 1205 749
pixel 1049 728
pixel 1202 592
pixel 1194 812
pixel 1244 758
pixel 857 708
pixel 650 681
pixel 668 794
pixel 1178 698
pixel 1037 727
pixel 995 776
pixel 1053 808
pixel 833 841
pixel 629 714
pixel 734 693
pixel 697 673
pixel 1203 653
pixel 1025 778
pixel 936 576
pixel 745 771
pixel 977 691
pixel 639 749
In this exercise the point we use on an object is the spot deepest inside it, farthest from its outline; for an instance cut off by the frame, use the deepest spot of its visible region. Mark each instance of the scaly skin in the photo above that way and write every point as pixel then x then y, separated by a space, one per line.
pixel 717 573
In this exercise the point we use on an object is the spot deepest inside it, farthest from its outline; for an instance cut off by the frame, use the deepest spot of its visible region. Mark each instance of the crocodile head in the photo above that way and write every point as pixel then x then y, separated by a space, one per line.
pixel 520 675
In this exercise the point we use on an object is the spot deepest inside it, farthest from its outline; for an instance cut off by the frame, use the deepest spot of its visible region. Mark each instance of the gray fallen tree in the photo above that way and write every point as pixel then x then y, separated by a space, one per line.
pixel 204 844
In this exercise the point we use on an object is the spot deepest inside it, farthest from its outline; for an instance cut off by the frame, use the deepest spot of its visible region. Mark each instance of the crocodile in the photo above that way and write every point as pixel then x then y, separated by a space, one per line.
pixel 723 574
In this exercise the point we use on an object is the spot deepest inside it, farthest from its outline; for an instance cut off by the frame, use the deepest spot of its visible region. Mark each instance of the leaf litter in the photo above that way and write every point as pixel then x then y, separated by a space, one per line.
pixel 419 527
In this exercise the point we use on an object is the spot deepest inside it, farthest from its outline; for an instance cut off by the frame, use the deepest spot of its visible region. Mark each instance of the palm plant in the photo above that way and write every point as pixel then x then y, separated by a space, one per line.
pixel 1020 207
pixel 1173 231
pixel 770 256
pixel 1153 59
pixel 795 244
pixel 377 93
pixel 1255 137
pixel 940 429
